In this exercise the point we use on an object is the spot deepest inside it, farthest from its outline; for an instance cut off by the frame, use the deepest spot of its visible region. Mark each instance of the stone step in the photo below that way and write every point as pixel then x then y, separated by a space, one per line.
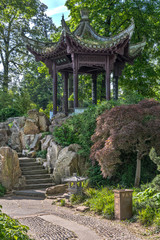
pixel 27 159
pixel 30 168
pixel 25 164
pixel 37 176
pixel 38 193
pixel 32 172
pixel 38 186
pixel 37 181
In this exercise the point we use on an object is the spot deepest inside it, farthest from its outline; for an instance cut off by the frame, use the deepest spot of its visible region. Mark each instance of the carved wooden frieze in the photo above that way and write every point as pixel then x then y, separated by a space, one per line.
pixel 91 58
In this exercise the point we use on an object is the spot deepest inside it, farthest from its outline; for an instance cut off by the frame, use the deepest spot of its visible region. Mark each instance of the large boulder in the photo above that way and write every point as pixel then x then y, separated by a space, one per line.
pixel 45 142
pixel 26 140
pixel 15 142
pixel 33 114
pixel 68 162
pixel 58 189
pixel 52 154
pixel 3 137
pixel 16 124
pixel 4 134
pixel 57 121
pixel 30 127
pixel 9 167
pixel 35 145
pixel 43 122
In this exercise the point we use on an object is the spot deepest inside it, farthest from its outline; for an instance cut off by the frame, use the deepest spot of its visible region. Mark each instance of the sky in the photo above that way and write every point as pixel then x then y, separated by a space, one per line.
pixel 55 10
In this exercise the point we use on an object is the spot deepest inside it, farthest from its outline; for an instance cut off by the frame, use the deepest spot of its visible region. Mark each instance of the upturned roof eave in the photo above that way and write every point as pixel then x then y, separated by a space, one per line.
pixel 135 49
pixel 80 31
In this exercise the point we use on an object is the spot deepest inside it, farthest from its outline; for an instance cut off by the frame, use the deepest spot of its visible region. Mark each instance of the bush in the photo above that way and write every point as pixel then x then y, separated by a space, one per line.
pixel 146 216
pixel 41 154
pixel 124 134
pixel 76 199
pixel 101 202
pixel 146 206
pixel 2 190
pixel 6 113
pixel 11 228
pixel 79 128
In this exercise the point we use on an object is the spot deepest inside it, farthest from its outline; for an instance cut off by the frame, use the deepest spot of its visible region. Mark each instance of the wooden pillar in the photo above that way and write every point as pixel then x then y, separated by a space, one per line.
pixel 107 68
pixel 94 88
pixel 54 89
pixel 65 79
pixel 103 84
pixel 70 90
pixel 75 80
pixel 115 87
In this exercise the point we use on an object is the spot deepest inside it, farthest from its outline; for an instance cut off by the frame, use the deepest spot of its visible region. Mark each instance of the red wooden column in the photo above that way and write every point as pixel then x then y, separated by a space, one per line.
pixel 54 89
pixel 75 79
pixel 65 78
pixel 94 88
pixel 107 69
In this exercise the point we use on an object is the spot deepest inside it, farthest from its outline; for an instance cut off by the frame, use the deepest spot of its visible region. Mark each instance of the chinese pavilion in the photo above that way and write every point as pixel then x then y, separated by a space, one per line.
pixel 84 51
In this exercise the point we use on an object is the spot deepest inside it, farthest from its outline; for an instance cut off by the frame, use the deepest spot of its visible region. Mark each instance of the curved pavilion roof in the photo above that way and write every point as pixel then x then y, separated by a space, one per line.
pixel 84 39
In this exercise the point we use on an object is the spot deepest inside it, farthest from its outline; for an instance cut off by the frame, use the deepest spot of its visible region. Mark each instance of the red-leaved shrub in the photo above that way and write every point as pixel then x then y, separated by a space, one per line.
pixel 127 128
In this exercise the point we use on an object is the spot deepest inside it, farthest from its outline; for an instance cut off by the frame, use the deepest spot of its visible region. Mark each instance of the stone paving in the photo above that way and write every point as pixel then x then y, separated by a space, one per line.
pixel 47 221
pixel 41 229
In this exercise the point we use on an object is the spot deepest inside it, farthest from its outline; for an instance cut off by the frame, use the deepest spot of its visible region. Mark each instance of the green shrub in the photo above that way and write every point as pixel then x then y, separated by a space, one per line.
pixel 101 201
pixel 156 221
pixel 62 202
pixel 79 128
pixel 2 190
pixel 8 112
pixel 41 154
pixel 146 216
pixel 76 199
pixel 146 206
pixel 45 134
pixel 108 211
pixel 11 228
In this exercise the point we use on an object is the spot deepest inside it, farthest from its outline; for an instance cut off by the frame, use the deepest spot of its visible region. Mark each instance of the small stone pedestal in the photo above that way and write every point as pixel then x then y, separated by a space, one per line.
pixel 123 204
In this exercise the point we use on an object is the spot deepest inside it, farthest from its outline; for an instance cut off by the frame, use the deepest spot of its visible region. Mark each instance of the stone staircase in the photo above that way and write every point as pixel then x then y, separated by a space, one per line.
pixel 37 178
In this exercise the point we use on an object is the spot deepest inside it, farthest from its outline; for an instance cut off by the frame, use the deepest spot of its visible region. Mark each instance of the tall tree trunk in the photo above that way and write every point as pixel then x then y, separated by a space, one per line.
pixel 138 172
pixel 5 77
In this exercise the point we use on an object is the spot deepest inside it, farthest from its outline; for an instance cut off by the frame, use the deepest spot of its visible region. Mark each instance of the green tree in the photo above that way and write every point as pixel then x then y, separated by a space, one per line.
pixel 30 18
pixel 13 16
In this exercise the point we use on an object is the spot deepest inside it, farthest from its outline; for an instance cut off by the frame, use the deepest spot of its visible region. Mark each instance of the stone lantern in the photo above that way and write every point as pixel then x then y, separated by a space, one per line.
pixel 74 183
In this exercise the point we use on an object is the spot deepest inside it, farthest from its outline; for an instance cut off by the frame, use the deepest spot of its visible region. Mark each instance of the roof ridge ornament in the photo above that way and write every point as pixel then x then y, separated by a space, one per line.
pixel 65 28
pixel 84 14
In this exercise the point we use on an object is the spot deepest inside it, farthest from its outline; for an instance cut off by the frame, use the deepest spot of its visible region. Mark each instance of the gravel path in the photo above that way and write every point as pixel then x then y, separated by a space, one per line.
pixel 47 221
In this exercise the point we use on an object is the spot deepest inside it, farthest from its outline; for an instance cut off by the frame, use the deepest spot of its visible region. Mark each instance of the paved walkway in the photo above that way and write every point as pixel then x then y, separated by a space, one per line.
pixel 47 221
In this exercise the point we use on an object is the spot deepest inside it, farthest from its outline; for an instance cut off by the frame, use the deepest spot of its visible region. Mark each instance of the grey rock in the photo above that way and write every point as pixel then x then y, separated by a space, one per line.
pixel 9 167
pixel 68 162
pixel 35 145
pixel 45 142
pixel 52 153
pixel 62 188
